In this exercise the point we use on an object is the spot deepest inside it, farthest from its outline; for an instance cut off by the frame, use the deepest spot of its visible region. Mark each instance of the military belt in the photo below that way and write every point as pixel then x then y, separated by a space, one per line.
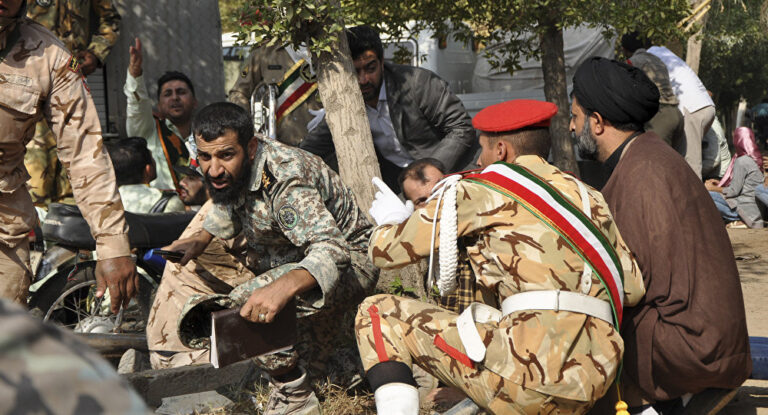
pixel 554 300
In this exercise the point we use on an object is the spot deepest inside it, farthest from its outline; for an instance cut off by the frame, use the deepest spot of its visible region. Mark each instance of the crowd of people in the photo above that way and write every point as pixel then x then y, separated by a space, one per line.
pixel 545 287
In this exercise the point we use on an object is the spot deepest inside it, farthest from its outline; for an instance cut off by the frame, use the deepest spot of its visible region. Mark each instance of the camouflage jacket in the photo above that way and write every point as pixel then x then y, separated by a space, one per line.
pixel 657 72
pixel 296 210
pixel 511 251
pixel 140 198
pixel 46 370
pixel 268 65
pixel 70 21
pixel 40 79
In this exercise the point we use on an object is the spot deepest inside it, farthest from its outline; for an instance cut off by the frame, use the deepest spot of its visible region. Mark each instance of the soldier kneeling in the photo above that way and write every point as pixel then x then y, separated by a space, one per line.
pixel 543 242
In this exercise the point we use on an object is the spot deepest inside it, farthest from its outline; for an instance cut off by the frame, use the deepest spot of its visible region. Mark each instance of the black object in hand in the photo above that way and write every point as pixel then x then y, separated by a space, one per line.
pixel 169 254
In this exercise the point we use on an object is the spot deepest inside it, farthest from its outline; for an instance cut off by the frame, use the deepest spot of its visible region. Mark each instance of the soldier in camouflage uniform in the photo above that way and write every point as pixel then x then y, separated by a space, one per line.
pixel 283 225
pixel 273 65
pixel 44 370
pixel 71 22
pixel 41 80
pixel 557 352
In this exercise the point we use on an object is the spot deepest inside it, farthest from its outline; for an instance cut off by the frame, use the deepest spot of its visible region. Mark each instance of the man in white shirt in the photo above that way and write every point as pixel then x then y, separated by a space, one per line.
pixel 411 111
pixel 697 107
pixel 169 131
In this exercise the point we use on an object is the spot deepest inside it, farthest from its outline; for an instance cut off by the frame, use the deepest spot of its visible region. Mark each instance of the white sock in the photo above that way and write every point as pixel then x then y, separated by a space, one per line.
pixel 397 399
pixel 647 411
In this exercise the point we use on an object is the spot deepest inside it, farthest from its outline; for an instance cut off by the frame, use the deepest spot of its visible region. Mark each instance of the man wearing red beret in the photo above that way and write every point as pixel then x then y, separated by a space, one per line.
pixel 542 242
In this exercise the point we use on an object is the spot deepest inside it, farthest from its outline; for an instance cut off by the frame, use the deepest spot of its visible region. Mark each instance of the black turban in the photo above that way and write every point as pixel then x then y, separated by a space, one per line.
pixel 619 92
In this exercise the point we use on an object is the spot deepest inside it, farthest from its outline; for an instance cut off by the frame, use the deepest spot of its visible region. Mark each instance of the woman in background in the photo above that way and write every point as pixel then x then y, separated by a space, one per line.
pixel 734 194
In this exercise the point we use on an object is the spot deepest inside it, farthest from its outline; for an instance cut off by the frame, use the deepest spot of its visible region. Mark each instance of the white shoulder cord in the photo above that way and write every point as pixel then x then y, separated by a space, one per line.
pixel 448 254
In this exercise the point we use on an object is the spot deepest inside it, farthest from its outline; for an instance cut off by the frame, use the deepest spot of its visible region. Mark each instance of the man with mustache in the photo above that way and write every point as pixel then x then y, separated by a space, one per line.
pixel 686 341
pixel 411 111
pixel 192 190
pixel 168 132
pixel 282 225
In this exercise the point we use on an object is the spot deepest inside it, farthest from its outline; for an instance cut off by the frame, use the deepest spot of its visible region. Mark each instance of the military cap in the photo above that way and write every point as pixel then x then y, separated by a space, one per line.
pixel 514 115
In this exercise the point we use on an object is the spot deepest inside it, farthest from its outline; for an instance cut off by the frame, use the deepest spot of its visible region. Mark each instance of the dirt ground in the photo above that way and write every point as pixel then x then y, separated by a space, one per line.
pixel 751 249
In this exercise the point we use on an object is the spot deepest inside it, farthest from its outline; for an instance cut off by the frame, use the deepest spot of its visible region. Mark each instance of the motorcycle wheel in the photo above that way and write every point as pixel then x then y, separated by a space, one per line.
pixel 70 301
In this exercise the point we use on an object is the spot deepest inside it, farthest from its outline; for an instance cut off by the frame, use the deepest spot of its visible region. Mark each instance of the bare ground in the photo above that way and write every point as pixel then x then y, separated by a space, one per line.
pixel 751 249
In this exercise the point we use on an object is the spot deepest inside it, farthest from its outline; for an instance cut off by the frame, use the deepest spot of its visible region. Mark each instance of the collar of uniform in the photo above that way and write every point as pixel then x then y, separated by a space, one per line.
pixel 529 159
pixel 641 50
pixel 259 163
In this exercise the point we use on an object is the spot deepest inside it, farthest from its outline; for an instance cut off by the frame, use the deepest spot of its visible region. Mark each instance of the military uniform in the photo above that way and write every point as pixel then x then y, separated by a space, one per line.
pixel 71 22
pixel 269 65
pixel 46 370
pixel 537 361
pixel 140 198
pixel 296 214
pixel 41 80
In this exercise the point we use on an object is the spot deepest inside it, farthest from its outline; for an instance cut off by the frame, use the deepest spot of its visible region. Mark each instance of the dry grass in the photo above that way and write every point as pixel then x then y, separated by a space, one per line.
pixel 334 400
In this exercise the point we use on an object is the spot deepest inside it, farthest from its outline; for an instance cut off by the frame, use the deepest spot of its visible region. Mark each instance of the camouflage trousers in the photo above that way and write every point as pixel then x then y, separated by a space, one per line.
pixel 15 272
pixel 391 328
pixel 326 346
pixel 48 179
pixel 45 370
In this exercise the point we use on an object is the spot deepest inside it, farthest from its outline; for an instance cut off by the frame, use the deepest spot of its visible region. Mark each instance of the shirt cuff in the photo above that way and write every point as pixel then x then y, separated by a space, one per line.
pixel 131 83
pixel 113 246
pixel 324 271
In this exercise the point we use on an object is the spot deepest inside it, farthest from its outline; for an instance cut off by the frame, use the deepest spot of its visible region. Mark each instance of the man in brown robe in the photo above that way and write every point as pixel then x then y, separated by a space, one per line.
pixel 686 342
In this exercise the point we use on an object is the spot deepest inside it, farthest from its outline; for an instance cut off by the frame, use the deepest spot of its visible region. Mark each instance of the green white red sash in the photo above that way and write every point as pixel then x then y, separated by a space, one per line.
pixel 560 214
pixel 297 85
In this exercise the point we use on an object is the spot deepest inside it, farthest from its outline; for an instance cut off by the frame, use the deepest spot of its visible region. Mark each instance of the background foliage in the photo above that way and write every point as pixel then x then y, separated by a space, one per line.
pixel 735 53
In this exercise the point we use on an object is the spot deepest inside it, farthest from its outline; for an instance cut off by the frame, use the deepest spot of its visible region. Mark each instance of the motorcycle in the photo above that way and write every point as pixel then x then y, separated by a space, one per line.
pixel 64 288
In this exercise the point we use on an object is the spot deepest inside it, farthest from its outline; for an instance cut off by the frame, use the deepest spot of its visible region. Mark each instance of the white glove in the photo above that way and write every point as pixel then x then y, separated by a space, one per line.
pixel 387 209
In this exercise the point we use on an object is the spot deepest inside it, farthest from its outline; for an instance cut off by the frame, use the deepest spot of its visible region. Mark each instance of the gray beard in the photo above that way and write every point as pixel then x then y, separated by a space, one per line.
pixel 585 143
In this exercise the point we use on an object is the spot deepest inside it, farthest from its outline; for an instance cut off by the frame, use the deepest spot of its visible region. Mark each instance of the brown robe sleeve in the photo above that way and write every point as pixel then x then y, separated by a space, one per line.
pixel 689 332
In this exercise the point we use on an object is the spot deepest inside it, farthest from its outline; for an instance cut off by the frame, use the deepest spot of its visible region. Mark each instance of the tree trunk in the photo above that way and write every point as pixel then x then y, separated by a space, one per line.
pixel 693 54
pixel 348 122
pixel 556 91
pixel 693 49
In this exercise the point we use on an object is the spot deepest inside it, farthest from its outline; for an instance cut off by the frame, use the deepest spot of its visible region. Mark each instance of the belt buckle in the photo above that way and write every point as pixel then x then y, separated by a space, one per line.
pixel 557 300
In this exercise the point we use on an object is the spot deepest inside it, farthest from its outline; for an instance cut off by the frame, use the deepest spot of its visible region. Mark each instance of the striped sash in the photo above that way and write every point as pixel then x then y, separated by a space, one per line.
pixel 559 213
pixel 297 85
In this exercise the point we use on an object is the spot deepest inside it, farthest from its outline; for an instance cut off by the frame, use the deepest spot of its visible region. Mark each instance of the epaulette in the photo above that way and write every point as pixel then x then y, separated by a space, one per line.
pixel 267 180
